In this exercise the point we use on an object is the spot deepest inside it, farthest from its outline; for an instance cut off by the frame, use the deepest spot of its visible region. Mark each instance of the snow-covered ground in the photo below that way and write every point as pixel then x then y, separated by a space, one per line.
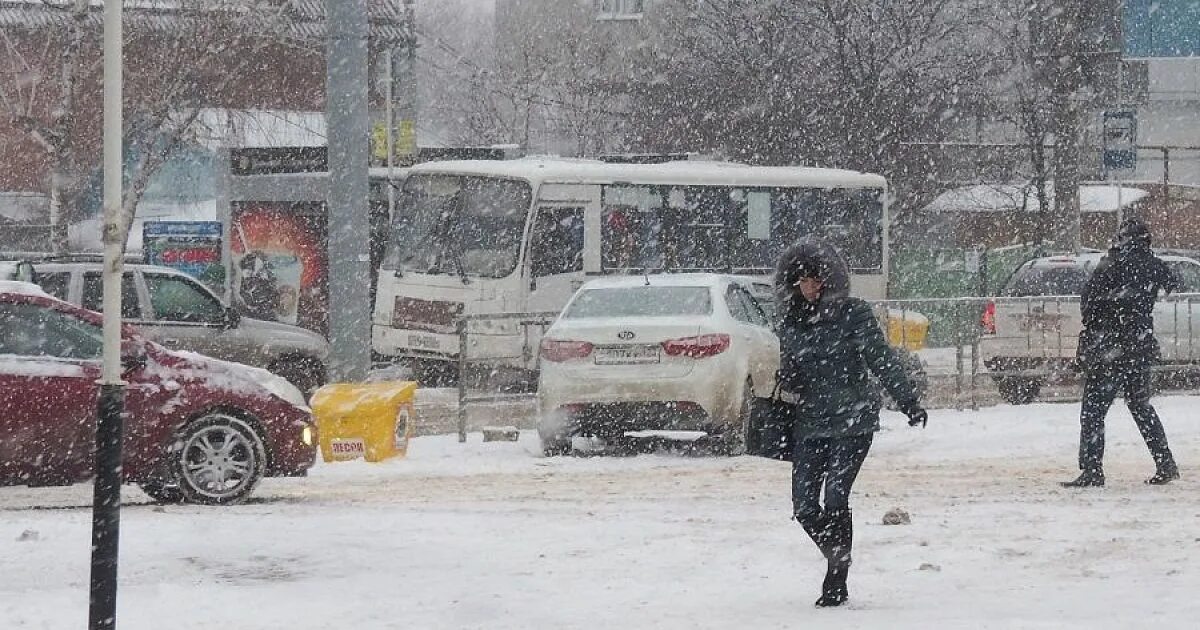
pixel 495 536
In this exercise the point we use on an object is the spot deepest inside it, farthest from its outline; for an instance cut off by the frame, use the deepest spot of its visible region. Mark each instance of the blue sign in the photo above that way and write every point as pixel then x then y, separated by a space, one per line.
pixel 1162 28
pixel 193 247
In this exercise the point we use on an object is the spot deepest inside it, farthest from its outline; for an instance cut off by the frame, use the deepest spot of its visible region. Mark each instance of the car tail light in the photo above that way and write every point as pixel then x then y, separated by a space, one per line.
pixel 697 347
pixel 559 350
pixel 988 321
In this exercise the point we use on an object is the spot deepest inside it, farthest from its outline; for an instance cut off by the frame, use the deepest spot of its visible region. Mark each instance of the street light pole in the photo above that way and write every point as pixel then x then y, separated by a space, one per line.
pixel 106 499
pixel 348 133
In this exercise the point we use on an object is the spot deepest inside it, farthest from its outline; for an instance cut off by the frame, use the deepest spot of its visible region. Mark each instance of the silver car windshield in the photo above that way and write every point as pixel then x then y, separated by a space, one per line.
pixel 459 225
pixel 640 302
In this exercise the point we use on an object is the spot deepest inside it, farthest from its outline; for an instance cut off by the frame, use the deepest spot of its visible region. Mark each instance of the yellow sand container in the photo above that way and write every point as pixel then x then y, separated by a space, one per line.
pixel 371 421
pixel 907 329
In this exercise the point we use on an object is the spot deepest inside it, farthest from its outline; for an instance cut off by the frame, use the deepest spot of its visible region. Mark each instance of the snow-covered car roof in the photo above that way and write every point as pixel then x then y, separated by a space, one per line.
pixel 1090 259
pixel 22 288
pixel 659 280
pixel 87 265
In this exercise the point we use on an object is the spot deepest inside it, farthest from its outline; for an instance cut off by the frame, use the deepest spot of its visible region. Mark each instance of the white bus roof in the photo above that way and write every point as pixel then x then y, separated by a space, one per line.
pixel 683 173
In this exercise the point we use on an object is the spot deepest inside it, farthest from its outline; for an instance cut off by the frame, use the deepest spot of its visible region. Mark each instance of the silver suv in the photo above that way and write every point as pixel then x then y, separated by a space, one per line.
pixel 1031 332
pixel 177 311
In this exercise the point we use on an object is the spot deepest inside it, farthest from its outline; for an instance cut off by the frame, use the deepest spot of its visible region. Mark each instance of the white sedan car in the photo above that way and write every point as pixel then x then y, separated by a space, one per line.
pixel 672 352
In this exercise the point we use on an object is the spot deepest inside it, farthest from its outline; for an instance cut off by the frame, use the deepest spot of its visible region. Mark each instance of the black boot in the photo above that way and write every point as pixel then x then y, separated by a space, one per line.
pixel 833 589
pixel 839 538
pixel 1163 476
pixel 1087 479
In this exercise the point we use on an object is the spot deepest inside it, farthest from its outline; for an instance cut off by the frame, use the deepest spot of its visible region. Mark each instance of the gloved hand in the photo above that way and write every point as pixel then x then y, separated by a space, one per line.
pixel 917 416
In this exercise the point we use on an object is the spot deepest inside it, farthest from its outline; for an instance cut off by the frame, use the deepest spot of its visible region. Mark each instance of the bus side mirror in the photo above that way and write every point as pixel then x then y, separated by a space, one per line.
pixel 26 272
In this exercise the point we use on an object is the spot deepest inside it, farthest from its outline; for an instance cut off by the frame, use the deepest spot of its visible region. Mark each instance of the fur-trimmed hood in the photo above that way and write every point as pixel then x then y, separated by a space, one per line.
pixel 812 251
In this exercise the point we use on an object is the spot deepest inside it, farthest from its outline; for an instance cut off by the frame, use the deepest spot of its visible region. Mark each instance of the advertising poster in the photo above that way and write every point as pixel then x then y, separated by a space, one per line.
pixel 280 270
pixel 193 247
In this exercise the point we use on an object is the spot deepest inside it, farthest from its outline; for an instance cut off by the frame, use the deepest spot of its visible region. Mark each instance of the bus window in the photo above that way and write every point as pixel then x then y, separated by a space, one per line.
pixel 758 216
pixel 851 219
pixel 557 242
pixel 740 228
pixel 617 237
pixel 631 232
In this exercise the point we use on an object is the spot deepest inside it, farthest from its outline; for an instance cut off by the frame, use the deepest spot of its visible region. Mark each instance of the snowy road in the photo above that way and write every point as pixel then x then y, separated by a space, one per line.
pixel 494 536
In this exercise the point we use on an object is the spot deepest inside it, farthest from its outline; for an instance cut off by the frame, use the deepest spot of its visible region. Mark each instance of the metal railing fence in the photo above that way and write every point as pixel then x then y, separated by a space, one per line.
pixel 517 359
pixel 1035 341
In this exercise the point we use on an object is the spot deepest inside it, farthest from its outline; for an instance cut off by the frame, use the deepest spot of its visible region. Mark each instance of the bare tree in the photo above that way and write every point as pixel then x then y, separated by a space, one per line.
pixel 196 54
pixel 550 81
pixel 829 82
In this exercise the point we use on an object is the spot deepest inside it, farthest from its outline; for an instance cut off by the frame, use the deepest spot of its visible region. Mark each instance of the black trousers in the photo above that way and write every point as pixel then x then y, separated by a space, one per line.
pixel 1100 388
pixel 826 466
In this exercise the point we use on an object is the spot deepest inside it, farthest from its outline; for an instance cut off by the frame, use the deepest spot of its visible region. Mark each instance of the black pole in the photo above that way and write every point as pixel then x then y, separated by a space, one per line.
pixel 106 509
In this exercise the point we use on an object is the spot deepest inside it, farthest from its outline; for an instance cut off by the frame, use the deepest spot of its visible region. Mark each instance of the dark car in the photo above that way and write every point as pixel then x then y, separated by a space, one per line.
pixel 197 429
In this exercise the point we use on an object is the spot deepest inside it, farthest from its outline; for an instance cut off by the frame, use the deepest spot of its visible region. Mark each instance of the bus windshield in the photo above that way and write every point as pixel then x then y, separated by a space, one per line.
pixel 453 224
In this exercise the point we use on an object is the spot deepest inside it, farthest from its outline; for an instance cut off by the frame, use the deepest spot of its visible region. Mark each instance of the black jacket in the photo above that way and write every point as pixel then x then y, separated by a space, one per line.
pixel 1118 306
pixel 828 350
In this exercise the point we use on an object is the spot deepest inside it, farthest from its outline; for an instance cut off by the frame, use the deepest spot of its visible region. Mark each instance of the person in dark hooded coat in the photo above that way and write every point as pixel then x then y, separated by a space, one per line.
pixel 1117 348
pixel 830 344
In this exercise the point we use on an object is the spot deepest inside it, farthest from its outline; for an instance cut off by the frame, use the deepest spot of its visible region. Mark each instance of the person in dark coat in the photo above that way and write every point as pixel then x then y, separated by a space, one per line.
pixel 1117 348
pixel 830 344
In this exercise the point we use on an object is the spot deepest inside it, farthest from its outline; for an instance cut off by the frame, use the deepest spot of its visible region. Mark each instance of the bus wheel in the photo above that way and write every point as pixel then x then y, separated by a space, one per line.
pixel 1016 390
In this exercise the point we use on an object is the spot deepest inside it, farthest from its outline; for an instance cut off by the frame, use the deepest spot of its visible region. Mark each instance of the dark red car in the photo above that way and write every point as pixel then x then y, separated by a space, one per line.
pixel 196 429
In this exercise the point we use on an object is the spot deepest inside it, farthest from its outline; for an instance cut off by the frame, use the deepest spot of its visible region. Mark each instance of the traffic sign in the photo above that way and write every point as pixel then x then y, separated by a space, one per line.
pixel 1119 138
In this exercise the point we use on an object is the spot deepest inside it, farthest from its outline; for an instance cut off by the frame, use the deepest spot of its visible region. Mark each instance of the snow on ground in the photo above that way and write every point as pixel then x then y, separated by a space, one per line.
pixel 492 535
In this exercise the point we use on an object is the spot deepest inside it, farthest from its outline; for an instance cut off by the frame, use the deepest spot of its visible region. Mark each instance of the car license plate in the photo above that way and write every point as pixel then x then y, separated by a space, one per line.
pixel 625 355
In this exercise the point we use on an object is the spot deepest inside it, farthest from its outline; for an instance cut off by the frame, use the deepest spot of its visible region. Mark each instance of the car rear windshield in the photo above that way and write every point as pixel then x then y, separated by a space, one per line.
pixel 640 302
pixel 1036 281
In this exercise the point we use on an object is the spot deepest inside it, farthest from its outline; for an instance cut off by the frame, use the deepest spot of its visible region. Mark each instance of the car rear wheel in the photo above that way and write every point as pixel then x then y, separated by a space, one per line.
pixel 218 459
pixel 555 446
pixel 1017 390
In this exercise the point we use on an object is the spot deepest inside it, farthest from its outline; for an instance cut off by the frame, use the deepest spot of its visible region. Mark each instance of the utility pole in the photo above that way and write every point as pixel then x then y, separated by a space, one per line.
pixel 400 104
pixel 348 130
pixel 106 489
pixel 407 94
pixel 1063 65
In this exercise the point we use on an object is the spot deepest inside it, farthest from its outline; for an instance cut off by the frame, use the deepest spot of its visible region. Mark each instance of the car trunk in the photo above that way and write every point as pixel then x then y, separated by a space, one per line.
pixel 619 345
pixel 1046 327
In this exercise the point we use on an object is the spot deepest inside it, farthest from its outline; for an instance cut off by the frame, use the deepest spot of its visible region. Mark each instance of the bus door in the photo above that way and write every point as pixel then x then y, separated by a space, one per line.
pixel 563 245
pixel 556 252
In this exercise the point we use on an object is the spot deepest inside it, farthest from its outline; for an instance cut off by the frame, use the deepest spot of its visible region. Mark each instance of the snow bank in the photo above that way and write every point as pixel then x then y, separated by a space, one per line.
pixel 1014 197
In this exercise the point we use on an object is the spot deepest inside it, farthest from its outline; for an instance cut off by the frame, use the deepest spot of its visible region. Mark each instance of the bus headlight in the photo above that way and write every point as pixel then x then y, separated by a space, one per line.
pixel 306 436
